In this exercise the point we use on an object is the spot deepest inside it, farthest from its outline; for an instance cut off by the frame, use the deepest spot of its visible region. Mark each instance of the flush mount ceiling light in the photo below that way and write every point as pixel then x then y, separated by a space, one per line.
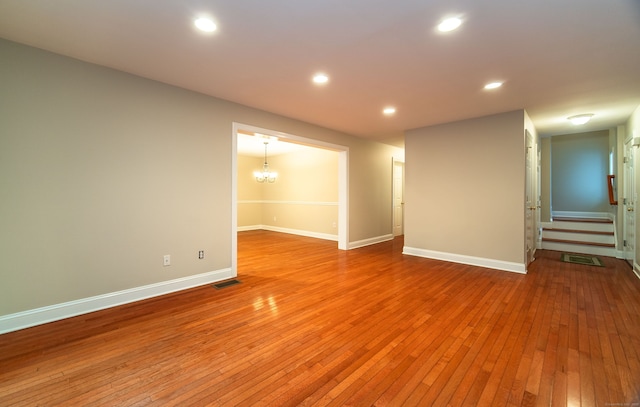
pixel 388 111
pixel 493 85
pixel 320 78
pixel 580 118
pixel 205 24
pixel 449 24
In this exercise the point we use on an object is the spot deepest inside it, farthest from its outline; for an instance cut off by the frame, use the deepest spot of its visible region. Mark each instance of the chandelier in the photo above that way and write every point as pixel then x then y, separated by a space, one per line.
pixel 265 175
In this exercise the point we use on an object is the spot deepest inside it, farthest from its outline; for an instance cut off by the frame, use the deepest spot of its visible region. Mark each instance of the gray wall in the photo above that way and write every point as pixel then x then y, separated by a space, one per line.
pixel 102 173
pixel 465 188
pixel 579 168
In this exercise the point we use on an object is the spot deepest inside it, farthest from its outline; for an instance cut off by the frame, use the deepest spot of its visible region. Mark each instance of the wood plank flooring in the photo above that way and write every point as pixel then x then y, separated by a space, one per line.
pixel 310 325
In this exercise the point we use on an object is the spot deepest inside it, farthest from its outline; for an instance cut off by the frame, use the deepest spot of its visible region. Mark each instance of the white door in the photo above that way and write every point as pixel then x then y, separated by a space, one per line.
pixel 398 198
pixel 531 197
pixel 629 204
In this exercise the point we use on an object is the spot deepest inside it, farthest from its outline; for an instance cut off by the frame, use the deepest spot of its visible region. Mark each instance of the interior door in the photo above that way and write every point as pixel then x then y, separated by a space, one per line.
pixel 531 197
pixel 398 198
pixel 629 204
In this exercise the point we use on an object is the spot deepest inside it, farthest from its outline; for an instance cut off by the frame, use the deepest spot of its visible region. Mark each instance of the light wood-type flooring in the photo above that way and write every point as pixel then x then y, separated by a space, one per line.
pixel 311 325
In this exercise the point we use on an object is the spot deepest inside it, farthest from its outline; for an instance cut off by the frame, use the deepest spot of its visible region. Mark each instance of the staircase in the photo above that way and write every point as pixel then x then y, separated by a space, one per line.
pixel 580 235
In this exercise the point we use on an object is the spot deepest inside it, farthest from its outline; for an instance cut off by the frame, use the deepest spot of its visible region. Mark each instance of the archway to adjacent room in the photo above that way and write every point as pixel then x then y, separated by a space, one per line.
pixel 342 151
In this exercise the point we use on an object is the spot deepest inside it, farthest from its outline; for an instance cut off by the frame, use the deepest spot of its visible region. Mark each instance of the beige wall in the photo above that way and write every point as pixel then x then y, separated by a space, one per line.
pixel 304 197
pixel 465 186
pixel 249 192
pixel 102 173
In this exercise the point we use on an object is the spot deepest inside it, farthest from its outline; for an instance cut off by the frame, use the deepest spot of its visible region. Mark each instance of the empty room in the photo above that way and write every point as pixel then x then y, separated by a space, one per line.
pixel 319 203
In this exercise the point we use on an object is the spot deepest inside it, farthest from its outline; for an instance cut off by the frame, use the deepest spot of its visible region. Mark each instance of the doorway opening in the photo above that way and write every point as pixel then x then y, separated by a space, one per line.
pixel 398 198
pixel 343 157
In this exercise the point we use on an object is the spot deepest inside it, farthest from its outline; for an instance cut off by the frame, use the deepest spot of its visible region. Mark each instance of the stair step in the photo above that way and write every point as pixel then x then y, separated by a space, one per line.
pixel 584 236
pixel 585 226
pixel 588 235
pixel 579 248
pixel 586 220
pixel 592 232
pixel 546 239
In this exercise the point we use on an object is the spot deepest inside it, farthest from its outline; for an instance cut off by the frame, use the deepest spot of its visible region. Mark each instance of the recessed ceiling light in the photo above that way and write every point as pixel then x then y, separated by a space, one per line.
pixel 449 24
pixel 580 118
pixel 389 110
pixel 493 85
pixel 205 24
pixel 320 78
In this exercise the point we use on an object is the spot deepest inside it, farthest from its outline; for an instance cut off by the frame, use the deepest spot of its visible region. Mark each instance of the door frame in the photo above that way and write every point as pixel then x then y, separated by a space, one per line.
pixel 629 201
pixel 393 196
pixel 531 197
pixel 343 182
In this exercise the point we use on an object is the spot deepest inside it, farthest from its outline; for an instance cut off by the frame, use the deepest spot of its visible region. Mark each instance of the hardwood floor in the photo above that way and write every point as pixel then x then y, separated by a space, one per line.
pixel 311 325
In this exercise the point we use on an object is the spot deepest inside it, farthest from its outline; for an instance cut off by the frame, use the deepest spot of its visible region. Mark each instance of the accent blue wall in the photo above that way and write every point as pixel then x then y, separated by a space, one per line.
pixel 579 168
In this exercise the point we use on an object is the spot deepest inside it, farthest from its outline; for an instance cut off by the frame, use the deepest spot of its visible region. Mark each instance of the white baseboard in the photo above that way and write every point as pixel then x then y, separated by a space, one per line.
pixel 306 233
pixel 325 236
pixel 463 259
pixel 586 215
pixel 56 312
pixel 636 269
pixel 247 228
pixel 370 241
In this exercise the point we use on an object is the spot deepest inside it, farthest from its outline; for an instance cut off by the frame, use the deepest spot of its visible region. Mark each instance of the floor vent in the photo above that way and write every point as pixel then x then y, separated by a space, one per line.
pixel 227 283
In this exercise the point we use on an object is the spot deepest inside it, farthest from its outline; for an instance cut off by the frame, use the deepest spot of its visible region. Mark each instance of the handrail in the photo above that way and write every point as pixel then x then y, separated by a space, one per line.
pixel 612 200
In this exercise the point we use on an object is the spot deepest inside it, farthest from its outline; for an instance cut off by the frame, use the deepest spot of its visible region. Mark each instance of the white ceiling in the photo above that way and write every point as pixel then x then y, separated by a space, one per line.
pixel 557 57
pixel 253 145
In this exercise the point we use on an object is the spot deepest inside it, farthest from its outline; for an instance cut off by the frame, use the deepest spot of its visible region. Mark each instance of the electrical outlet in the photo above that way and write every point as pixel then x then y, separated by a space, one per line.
pixel 166 261
pixel 334 225
pixel 274 218
pixel 201 254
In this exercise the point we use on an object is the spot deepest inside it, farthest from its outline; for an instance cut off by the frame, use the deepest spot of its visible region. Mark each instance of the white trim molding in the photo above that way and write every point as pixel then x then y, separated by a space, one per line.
pixel 370 241
pixel 319 203
pixel 585 215
pixel 343 182
pixel 56 312
pixel 306 233
pixel 470 260
pixel 317 235
pixel 324 236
